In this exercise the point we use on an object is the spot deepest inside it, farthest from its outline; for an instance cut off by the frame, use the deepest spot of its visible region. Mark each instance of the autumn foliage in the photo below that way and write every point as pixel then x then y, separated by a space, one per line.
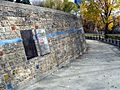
pixel 100 13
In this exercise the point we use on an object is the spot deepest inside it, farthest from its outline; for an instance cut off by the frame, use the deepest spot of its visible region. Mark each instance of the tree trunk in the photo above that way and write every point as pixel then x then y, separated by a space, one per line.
pixel 106 30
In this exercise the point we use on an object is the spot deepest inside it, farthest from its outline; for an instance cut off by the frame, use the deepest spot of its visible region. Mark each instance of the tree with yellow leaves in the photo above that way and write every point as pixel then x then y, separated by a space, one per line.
pixel 100 12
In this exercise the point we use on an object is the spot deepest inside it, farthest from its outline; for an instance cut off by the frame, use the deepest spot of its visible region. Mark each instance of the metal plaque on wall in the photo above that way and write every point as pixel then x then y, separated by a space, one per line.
pixel 42 41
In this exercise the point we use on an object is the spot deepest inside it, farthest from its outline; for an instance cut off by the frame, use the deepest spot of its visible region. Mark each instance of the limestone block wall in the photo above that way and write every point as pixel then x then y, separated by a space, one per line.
pixel 64 35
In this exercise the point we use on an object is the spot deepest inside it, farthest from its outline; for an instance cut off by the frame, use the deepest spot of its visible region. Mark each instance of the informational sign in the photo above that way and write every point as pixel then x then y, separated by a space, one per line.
pixel 42 41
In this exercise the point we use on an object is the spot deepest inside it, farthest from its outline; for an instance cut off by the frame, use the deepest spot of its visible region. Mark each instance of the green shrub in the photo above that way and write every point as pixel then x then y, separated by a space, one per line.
pixel 65 6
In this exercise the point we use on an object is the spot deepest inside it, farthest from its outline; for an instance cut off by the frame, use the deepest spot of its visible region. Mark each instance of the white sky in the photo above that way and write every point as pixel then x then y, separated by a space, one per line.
pixel 35 1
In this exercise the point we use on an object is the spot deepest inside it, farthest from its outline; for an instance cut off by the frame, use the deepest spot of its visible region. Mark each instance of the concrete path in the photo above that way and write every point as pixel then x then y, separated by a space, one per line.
pixel 98 69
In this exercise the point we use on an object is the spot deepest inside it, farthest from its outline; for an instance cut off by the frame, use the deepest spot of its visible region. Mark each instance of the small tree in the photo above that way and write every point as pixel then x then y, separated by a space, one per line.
pixel 64 5
pixel 69 6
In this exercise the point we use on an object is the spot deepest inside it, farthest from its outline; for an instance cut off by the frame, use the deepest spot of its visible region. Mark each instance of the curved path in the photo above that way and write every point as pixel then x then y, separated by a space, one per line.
pixel 97 69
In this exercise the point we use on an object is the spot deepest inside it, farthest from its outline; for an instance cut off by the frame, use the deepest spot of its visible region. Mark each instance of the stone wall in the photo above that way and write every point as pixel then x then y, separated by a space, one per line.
pixel 65 38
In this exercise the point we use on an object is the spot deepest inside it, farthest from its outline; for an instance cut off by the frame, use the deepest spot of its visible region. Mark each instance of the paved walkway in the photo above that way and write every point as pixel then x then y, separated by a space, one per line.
pixel 98 69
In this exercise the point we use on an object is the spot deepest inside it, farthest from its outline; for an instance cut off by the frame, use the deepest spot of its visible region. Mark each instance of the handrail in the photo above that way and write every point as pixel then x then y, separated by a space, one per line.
pixel 99 37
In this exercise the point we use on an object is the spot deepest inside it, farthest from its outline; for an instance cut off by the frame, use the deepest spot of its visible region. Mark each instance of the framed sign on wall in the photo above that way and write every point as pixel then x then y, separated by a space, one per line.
pixel 42 41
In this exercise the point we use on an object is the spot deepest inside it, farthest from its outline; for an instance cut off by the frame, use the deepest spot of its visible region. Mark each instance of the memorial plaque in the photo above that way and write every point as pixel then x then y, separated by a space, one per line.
pixel 42 41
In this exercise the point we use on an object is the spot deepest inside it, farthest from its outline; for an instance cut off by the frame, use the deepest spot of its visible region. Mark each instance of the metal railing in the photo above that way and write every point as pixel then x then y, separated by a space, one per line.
pixel 115 42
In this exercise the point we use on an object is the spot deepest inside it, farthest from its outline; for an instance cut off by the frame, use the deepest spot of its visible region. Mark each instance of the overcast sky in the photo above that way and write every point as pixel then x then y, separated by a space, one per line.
pixel 35 1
